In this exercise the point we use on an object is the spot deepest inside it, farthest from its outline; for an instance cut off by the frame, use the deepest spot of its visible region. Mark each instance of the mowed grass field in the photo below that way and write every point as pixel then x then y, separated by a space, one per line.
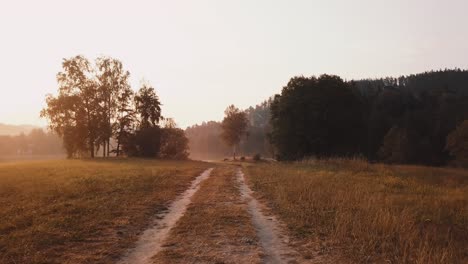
pixel 83 211
pixel 366 213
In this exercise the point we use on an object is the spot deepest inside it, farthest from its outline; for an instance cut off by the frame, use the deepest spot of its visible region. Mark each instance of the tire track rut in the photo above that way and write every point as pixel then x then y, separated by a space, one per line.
pixel 152 239
pixel 272 239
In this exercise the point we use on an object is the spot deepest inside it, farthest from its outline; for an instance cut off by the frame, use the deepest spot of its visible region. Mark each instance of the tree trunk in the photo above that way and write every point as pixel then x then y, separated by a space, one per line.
pixel 118 142
pixel 91 138
pixel 234 152
pixel 109 123
pixel 91 148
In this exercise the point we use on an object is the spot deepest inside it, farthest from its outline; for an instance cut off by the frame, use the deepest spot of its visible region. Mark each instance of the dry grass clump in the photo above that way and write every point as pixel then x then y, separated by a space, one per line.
pixel 371 213
pixel 73 211
pixel 355 163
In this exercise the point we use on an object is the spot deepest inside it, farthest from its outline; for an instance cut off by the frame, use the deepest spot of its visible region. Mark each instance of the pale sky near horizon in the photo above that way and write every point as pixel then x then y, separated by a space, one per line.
pixel 203 55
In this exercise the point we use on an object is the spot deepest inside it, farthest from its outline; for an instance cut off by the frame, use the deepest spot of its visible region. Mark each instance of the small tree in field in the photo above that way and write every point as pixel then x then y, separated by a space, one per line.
pixel 147 138
pixel 148 106
pixel 234 126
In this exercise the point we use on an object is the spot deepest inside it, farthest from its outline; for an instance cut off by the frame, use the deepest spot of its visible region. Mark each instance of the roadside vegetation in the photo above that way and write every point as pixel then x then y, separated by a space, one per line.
pixel 83 211
pixel 369 213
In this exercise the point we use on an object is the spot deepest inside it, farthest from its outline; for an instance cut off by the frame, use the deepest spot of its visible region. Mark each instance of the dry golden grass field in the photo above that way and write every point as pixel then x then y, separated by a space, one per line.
pixel 329 211
pixel 80 211
pixel 366 213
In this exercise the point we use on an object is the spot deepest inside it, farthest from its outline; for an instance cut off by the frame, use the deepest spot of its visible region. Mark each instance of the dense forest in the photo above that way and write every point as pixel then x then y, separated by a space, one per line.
pixel 408 119
pixel 395 120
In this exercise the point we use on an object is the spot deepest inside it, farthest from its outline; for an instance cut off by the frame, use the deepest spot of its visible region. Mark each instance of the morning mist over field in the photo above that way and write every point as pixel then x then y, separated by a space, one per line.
pixel 263 132
pixel 220 53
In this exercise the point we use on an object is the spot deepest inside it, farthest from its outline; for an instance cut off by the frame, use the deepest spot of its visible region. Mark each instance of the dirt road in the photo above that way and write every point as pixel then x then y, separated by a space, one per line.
pixel 217 220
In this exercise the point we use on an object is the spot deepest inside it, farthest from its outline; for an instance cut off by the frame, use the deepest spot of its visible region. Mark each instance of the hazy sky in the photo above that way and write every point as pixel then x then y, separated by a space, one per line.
pixel 203 55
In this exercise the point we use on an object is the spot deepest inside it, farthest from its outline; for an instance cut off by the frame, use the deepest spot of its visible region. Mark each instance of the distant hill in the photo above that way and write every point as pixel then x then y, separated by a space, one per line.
pixel 15 129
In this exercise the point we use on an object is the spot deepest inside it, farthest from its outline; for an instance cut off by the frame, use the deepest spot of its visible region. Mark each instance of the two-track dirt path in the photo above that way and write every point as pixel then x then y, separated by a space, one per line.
pixel 221 223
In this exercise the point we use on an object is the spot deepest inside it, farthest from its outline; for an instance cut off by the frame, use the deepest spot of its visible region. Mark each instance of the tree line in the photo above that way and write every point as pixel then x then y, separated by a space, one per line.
pixel 419 119
pixel 36 142
pixel 397 120
pixel 96 110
